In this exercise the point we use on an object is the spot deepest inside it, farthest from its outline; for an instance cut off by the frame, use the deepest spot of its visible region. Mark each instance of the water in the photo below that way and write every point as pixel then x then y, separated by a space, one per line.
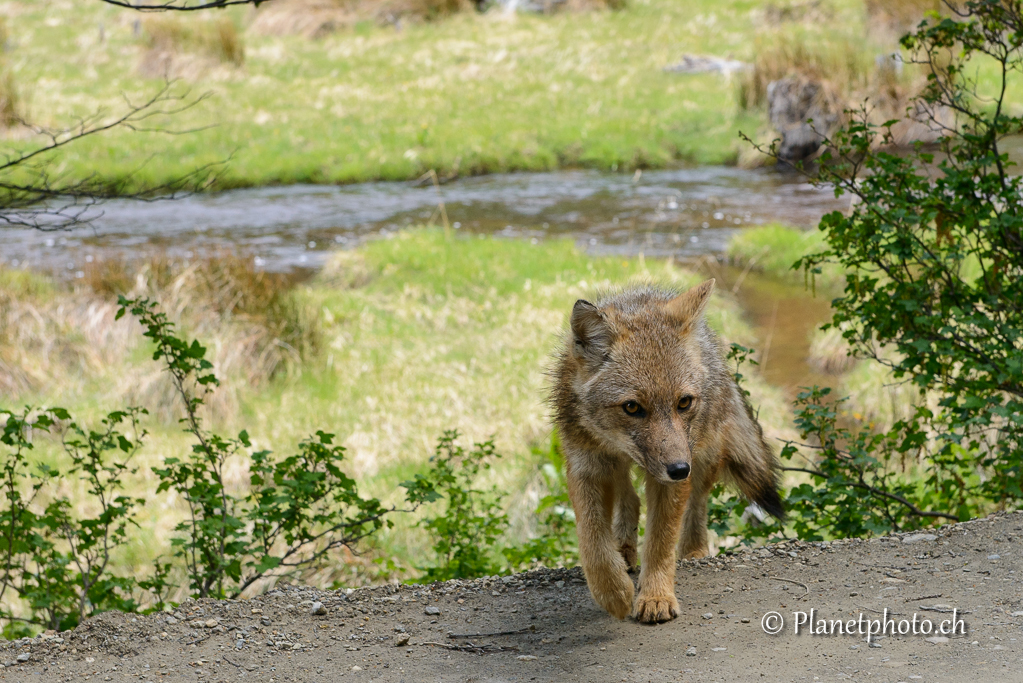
pixel 682 213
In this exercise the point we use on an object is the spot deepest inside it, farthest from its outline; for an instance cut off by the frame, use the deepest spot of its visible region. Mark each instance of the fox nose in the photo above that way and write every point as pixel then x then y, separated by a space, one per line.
pixel 678 471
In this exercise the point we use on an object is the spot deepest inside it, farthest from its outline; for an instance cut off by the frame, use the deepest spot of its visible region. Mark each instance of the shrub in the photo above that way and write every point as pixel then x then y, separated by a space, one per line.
pixel 472 522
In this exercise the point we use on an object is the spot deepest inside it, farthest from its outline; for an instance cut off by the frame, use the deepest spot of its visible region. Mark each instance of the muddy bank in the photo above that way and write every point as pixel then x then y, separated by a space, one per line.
pixel 552 631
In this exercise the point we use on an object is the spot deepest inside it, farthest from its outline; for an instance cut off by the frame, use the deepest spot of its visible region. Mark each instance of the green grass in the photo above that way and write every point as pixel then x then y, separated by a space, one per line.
pixel 472 93
pixel 420 333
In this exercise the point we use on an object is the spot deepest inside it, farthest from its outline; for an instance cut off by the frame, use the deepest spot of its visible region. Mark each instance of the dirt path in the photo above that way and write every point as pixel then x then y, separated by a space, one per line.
pixel 557 633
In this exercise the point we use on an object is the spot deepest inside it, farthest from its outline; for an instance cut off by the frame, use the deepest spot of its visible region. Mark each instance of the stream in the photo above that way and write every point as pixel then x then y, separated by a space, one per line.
pixel 686 214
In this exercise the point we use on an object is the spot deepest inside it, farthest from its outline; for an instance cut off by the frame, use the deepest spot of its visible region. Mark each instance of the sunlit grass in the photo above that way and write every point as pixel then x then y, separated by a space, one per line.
pixel 419 333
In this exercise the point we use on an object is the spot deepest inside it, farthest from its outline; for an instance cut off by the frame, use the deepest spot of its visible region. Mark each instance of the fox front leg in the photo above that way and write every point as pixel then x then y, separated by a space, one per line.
pixel 665 505
pixel 593 499
pixel 626 519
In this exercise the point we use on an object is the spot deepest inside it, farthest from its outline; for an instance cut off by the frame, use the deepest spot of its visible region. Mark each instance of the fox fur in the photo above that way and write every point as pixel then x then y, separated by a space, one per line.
pixel 641 380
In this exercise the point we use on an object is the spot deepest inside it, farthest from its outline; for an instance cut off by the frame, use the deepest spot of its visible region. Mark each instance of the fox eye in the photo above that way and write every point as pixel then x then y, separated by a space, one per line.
pixel 633 408
pixel 685 402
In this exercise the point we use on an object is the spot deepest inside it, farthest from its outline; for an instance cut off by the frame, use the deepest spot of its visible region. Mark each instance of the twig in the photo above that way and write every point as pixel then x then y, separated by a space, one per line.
pixel 878 611
pixel 231 663
pixel 528 629
pixel 474 649
pixel 913 510
pixel 925 597
pixel 803 585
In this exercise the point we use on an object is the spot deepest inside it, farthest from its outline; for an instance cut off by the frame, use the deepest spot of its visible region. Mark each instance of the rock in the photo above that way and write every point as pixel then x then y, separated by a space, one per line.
pixel 1017 614
pixel 526 658
pixel 708 615
pixel 936 640
pixel 402 640
pixel 257 611
pixel 317 609
pixel 24 657
pixel 803 112
pixel 559 584
pixel 171 621
pixel 698 64
pixel 718 649
pixel 432 611
pixel 916 538
pixel 690 651
pixel 211 623
pixel 875 644
pixel 356 668
pixel 994 557
pixel 305 603
pixel 745 620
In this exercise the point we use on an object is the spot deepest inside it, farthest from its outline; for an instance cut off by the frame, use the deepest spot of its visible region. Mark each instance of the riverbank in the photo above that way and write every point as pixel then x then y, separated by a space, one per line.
pixel 466 95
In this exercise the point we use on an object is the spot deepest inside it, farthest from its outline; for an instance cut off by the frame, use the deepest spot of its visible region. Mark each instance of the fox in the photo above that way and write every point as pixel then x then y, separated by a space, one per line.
pixel 641 380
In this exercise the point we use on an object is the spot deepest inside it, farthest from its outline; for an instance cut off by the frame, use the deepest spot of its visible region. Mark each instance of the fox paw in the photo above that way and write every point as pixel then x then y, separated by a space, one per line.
pixel 655 609
pixel 614 594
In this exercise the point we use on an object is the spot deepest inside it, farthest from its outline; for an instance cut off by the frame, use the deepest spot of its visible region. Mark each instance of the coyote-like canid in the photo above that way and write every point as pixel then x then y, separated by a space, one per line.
pixel 641 379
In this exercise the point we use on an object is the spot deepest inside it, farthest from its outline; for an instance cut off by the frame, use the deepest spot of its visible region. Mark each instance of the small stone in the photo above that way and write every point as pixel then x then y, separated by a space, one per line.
pixel 24 657
pixel 239 644
pixel 853 594
pixel 265 621
pixel 356 668
pixel 875 644
pixel 171 621
pixel 936 640
pixel 211 623
pixel 559 584
pixel 994 557
pixel 690 651
pixel 507 579
pixel 718 649
pixel 257 611
pixel 916 538
pixel 745 620
pixel 305 603
pixel 526 658
pixel 793 553
pixel 317 609
pixel 708 615
pixel 432 611
pixel 1017 614
pixel 402 640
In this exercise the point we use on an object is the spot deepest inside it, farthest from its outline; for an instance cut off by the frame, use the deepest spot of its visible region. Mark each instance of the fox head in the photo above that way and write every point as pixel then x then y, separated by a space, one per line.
pixel 646 374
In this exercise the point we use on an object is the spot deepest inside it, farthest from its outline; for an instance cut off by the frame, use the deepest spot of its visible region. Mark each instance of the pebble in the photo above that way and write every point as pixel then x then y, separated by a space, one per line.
pixel 993 557
pixel 708 615
pixel 745 620
pixel 916 538
pixel 1017 614
pixel 526 658
pixel 718 649
pixel 402 640
pixel 23 657
pixel 559 584
pixel 356 668
pixel 211 623
pixel 317 609
pixel 936 640
pixel 431 610
pixel 875 645
pixel 171 621
pixel 690 651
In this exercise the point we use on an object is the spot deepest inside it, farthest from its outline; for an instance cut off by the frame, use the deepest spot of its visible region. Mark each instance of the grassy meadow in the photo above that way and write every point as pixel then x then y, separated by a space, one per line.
pixel 469 93
pixel 405 337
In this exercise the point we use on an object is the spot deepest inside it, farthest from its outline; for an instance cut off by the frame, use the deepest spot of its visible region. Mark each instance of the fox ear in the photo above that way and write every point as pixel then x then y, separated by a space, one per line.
pixel 686 308
pixel 591 330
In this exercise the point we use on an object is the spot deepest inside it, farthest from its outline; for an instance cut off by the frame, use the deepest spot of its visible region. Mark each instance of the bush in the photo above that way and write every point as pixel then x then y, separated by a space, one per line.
pixel 932 254
pixel 465 533
pixel 57 557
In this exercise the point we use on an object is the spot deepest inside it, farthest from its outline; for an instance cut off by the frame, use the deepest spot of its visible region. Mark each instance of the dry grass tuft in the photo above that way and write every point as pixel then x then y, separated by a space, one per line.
pixel 252 322
pixel 893 18
pixel 318 18
pixel 183 48
pixel 835 61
